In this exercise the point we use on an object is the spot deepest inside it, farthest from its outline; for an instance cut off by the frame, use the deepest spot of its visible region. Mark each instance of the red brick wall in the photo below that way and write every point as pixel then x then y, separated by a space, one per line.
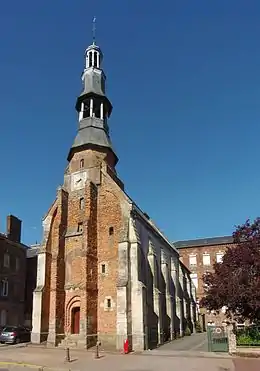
pixel 200 269
pixel 14 226
pixel 79 281
pixel 109 216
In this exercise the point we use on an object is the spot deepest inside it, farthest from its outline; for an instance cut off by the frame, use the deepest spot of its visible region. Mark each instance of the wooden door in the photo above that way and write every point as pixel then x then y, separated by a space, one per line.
pixel 75 317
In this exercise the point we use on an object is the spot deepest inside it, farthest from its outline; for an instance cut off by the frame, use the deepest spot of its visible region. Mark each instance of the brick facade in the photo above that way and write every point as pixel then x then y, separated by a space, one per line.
pixel 104 270
pixel 199 256
pixel 12 274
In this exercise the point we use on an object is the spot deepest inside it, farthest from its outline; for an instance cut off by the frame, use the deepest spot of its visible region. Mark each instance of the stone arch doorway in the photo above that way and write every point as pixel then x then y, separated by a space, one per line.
pixel 75 320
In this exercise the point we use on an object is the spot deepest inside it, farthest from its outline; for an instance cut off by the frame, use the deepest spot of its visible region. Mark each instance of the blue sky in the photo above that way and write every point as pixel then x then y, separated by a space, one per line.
pixel 184 80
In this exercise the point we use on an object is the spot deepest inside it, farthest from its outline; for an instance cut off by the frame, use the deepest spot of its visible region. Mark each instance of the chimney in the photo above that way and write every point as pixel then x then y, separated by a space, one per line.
pixel 13 226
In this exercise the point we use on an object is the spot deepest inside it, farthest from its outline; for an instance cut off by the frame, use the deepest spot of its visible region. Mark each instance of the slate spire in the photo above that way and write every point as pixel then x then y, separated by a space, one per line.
pixel 92 105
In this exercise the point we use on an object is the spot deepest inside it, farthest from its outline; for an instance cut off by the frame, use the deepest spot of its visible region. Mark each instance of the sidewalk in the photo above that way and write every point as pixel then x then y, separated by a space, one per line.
pixel 198 342
pixel 186 354
pixel 53 359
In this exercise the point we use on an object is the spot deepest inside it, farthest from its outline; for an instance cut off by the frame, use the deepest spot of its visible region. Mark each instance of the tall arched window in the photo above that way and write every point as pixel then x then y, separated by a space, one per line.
pixel 81 164
pixel 95 59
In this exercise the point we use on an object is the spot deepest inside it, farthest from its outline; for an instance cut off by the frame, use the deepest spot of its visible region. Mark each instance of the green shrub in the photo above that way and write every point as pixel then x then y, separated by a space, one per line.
pixel 248 336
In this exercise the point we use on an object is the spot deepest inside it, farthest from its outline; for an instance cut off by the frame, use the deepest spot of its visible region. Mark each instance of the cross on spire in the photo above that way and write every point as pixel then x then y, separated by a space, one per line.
pixel 94 30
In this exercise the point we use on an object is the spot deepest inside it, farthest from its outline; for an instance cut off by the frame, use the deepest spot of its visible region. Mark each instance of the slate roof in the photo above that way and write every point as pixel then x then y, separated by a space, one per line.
pixel 92 135
pixel 32 251
pixel 204 242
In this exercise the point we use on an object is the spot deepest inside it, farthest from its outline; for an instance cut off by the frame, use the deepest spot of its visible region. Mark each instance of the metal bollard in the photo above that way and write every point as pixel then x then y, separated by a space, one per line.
pixel 67 356
pixel 97 349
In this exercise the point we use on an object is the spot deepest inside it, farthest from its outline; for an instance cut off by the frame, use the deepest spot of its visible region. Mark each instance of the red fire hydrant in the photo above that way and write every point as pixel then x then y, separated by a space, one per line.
pixel 126 346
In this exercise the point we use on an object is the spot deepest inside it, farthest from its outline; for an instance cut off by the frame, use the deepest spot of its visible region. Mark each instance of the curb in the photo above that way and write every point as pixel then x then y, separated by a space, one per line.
pixel 247 355
pixel 179 354
pixel 17 365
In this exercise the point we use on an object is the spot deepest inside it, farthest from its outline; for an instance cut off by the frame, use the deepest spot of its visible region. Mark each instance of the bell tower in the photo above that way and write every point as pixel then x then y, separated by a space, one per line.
pixel 94 109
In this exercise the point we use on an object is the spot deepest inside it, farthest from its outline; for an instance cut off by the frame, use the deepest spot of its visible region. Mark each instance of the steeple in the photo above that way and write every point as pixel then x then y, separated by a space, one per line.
pixel 93 107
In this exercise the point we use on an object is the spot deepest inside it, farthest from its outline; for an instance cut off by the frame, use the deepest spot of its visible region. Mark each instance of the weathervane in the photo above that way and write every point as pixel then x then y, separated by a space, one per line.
pixel 94 30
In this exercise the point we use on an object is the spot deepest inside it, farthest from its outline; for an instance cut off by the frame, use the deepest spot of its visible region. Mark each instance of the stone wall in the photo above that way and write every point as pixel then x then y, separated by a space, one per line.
pixel 162 299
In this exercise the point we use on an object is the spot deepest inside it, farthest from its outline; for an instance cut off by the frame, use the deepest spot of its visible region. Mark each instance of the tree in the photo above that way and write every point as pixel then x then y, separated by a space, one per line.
pixel 235 283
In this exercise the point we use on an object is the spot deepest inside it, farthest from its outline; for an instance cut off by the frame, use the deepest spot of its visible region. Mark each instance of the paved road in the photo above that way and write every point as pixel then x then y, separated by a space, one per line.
pixel 33 358
pixel 246 364
pixel 195 342
pixel 12 346
pixel 83 360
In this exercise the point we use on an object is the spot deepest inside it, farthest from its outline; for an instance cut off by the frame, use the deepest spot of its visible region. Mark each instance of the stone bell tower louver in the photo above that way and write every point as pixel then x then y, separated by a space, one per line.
pixel 93 108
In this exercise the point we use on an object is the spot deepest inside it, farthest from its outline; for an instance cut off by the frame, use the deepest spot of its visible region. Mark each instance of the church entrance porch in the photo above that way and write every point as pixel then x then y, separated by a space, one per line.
pixel 75 326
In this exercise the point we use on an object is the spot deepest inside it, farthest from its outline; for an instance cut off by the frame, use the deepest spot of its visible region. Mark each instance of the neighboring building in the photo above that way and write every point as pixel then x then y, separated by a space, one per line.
pixel 31 277
pixel 199 256
pixel 12 274
pixel 103 267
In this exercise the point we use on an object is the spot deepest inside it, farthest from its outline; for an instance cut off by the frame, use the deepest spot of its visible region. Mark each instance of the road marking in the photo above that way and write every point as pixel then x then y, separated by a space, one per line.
pixel 6 363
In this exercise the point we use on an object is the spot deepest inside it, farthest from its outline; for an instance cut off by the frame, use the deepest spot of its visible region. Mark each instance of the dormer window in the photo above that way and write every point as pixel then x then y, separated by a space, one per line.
pixel 81 164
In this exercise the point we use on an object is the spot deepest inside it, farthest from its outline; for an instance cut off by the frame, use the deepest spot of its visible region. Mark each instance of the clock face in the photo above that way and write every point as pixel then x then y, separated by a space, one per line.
pixel 78 180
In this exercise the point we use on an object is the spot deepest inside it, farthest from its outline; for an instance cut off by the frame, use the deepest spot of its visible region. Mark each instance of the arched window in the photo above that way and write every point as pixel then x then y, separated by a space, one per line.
pixel 86 108
pixel 90 59
pixel 81 164
pixel 96 108
pixel 95 59
pixel 81 203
